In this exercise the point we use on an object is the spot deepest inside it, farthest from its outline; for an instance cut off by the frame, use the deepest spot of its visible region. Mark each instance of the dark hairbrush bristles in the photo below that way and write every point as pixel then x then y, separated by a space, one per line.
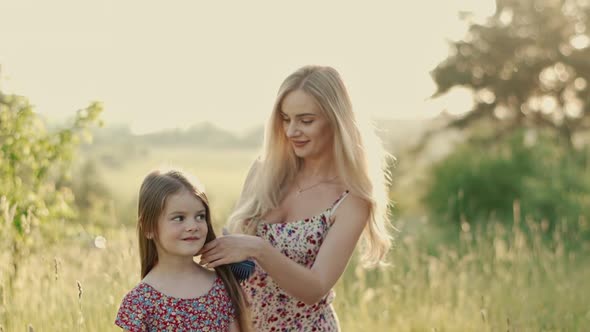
pixel 242 270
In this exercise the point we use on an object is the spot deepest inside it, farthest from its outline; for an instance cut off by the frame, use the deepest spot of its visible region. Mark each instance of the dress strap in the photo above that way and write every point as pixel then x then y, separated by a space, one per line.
pixel 337 203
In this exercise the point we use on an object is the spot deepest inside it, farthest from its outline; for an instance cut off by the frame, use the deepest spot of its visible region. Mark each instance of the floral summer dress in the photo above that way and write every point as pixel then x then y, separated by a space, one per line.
pixel 146 309
pixel 272 308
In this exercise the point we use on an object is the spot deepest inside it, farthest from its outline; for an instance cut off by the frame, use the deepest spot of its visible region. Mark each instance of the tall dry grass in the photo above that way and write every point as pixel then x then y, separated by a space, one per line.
pixel 522 277
pixel 495 278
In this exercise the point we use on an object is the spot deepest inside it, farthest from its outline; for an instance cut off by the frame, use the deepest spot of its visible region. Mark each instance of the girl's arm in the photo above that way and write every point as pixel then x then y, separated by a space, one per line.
pixel 308 285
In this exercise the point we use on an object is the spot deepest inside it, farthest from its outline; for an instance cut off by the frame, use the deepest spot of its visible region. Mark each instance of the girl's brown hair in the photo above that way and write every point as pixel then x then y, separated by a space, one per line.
pixel 154 191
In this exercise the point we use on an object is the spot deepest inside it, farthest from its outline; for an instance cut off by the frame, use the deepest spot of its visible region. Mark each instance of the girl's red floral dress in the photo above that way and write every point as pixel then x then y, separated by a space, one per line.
pixel 146 309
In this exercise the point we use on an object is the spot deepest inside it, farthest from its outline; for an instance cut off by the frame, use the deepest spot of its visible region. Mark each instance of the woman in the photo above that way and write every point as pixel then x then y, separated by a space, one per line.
pixel 318 185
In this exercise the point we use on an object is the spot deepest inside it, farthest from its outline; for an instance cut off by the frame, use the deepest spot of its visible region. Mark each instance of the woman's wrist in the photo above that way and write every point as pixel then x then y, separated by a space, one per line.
pixel 258 248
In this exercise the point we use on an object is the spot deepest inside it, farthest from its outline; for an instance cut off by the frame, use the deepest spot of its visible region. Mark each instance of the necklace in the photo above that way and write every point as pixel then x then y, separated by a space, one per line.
pixel 300 190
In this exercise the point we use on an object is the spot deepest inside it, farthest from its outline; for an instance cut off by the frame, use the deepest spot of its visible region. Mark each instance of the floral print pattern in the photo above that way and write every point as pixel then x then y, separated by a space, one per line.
pixel 272 308
pixel 146 309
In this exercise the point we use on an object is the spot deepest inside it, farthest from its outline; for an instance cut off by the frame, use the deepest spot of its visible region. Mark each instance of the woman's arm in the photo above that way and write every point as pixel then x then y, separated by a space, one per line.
pixel 308 285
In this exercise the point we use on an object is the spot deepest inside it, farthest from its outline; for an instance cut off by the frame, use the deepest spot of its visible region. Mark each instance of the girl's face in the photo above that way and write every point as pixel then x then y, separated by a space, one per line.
pixel 182 226
pixel 305 125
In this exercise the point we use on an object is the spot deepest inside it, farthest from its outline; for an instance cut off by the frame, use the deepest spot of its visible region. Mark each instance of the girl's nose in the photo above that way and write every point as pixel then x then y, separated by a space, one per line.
pixel 192 226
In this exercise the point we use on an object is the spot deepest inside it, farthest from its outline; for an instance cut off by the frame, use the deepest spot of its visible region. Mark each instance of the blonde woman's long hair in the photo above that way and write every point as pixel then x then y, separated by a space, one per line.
pixel 359 156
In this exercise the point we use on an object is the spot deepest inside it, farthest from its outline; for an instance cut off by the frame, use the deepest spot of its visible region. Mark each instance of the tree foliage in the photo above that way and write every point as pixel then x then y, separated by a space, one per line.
pixel 35 198
pixel 528 66
pixel 35 161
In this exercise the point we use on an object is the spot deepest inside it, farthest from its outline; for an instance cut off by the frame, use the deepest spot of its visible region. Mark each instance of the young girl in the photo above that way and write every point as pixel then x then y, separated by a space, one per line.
pixel 176 294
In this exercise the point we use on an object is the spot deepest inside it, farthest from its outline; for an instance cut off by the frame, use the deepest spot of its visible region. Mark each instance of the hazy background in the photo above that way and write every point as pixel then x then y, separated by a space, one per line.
pixel 485 105
pixel 159 65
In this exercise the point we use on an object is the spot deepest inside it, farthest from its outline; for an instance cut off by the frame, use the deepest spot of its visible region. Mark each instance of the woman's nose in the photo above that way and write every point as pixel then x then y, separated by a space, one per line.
pixel 292 130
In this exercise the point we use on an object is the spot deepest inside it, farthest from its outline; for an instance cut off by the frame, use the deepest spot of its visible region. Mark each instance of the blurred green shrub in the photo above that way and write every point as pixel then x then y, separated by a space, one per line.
pixel 92 197
pixel 479 181
pixel 36 163
pixel 36 200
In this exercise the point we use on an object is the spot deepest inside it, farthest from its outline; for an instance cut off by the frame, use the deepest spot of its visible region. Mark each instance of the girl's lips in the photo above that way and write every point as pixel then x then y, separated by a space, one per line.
pixel 191 239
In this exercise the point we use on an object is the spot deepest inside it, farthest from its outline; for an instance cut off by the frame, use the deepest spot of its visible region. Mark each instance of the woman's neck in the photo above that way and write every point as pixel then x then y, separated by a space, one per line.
pixel 321 168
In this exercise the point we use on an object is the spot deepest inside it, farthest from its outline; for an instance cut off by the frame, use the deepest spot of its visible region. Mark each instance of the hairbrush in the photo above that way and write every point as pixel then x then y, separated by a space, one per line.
pixel 242 270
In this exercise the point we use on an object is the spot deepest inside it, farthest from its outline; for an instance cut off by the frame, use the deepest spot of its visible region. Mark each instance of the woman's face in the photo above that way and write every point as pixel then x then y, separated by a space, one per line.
pixel 309 132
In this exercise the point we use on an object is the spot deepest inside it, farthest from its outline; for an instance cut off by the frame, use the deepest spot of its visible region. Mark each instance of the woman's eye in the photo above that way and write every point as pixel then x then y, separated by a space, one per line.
pixel 306 121
pixel 286 120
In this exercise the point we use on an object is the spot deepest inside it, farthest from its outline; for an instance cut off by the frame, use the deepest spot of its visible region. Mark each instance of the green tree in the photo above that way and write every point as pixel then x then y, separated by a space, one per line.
pixel 34 168
pixel 528 65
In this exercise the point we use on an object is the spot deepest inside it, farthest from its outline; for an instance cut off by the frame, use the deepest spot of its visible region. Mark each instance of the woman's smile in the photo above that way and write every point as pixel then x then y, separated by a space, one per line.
pixel 299 144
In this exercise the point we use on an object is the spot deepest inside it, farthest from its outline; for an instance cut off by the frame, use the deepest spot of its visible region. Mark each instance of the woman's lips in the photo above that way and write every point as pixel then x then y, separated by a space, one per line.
pixel 299 144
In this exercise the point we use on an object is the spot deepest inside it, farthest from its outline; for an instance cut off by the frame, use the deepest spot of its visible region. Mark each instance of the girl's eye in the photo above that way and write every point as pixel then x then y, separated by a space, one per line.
pixel 178 218
pixel 201 217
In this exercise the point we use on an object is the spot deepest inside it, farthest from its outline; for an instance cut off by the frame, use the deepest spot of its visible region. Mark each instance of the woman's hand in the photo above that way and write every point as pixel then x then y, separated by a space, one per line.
pixel 230 249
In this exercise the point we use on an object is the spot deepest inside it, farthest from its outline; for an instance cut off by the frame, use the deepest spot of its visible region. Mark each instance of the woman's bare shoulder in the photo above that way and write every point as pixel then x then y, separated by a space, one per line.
pixel 353 206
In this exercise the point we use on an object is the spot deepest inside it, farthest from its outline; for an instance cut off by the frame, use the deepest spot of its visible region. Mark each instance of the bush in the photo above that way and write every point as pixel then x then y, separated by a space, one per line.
pixel 35 199
pixel 478 181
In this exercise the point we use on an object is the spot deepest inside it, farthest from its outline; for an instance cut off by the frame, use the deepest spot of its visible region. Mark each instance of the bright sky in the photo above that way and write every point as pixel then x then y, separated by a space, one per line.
pixel 165 64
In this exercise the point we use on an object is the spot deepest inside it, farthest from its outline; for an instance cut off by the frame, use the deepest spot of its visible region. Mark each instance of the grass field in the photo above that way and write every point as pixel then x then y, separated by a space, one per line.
pixel 221 171
pixel 495 278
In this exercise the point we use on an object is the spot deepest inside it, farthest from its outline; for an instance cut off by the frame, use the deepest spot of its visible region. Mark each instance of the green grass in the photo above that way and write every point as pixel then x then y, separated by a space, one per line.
pixel 490 279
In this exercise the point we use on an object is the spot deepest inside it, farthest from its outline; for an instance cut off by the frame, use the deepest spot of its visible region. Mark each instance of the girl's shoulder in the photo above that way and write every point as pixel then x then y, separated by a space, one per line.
pixel 136 308
pixel 142 289
pixel 217 287
pixel 141 295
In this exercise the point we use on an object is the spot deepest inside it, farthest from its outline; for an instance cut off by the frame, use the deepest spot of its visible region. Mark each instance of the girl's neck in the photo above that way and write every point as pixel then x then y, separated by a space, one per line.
pixel 185 280
pixel 176 266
